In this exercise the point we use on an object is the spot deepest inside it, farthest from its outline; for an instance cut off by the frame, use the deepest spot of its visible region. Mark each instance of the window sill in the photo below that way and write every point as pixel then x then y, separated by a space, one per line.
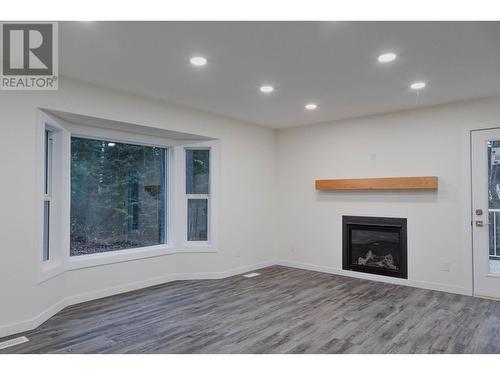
pixel 53 269
pixel 49 270
pixel 100 259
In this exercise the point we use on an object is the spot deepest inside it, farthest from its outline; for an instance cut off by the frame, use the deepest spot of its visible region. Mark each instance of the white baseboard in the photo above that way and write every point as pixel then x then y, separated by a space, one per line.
pixel 456 289
pixel 29 324
pixel 224 274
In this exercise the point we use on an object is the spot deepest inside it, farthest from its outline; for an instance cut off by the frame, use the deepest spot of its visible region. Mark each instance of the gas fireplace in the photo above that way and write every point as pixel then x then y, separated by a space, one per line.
pixel 375 245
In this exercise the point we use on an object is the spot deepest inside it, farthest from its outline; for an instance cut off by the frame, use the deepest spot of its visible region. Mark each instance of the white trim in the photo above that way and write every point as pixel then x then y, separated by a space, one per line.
pixel 213 197
pixel 48 148
pixel 118 256
pixel 468 209
pixel 50 269
pixel 456 289
pixel 29 324
pixel 126 255
pixel 187 197
pixel 107 135
pixel 227 273
pixel 112 135
pixel 485 283
pixel 58 199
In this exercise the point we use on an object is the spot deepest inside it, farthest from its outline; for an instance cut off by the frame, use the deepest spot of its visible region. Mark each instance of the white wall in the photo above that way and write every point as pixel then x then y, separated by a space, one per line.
pixel 268 205
pixel 246 234
pixel 432 141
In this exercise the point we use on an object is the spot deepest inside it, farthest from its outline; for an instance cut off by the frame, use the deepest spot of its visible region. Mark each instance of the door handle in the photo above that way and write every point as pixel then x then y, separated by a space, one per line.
pixel 480 223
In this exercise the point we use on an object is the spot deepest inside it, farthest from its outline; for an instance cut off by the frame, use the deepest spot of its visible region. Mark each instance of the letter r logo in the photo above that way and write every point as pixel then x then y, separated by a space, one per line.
pixel 27 49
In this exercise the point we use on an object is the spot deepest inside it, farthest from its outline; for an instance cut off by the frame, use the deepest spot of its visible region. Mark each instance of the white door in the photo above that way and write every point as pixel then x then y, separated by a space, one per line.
pixel 486 212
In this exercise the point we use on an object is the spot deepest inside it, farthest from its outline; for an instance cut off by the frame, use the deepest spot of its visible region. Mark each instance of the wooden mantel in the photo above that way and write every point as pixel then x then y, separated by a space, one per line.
pixel 386 183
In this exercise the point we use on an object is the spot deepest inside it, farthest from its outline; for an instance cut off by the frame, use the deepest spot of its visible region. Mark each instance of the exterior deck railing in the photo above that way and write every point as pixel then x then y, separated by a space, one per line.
pixel 494 221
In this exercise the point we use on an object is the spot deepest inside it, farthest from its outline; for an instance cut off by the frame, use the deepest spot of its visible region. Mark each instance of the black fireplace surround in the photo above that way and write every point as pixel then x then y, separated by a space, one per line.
pixel 375 245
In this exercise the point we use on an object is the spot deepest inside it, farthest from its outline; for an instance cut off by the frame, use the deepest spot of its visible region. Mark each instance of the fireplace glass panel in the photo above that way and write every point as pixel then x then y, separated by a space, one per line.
pixel 375 247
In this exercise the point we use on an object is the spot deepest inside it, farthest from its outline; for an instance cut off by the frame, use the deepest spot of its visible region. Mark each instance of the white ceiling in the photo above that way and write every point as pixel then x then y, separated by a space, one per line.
pixel 333 64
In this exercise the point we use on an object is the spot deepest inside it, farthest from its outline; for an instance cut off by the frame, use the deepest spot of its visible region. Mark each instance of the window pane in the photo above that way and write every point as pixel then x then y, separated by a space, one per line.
pixel 117 196
pixel 197 220
pixel 197 171
pixel 46 230
pixel 46 161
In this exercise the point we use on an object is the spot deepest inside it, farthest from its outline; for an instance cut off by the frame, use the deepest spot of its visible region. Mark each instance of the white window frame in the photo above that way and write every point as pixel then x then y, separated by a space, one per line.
pixel 211 244
pixel 57 187
pixel 200 197
pixel 195 243
pixel 116 256
pixel 48 147
pixel 176 218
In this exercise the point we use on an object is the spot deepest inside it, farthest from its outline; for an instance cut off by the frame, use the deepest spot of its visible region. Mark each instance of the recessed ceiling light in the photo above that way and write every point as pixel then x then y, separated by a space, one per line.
pixel 387 57
pixel 311 106
pixel 266 89
pixel 198 61
pixel 418 85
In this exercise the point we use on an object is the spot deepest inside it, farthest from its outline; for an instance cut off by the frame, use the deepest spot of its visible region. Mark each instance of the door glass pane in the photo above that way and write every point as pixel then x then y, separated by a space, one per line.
pixel 197 171
pixel 197 220
pixel 494 205
pixel 117 196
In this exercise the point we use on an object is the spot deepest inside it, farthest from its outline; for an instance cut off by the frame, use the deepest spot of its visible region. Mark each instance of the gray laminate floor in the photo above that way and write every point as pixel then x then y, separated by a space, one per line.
pixel 284 310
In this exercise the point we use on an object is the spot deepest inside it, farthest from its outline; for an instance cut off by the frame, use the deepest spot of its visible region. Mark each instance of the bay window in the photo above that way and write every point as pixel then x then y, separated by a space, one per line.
pixel 111 195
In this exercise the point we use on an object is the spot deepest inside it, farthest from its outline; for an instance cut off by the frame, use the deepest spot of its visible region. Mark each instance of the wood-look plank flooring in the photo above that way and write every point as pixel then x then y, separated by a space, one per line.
pixel 284 310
